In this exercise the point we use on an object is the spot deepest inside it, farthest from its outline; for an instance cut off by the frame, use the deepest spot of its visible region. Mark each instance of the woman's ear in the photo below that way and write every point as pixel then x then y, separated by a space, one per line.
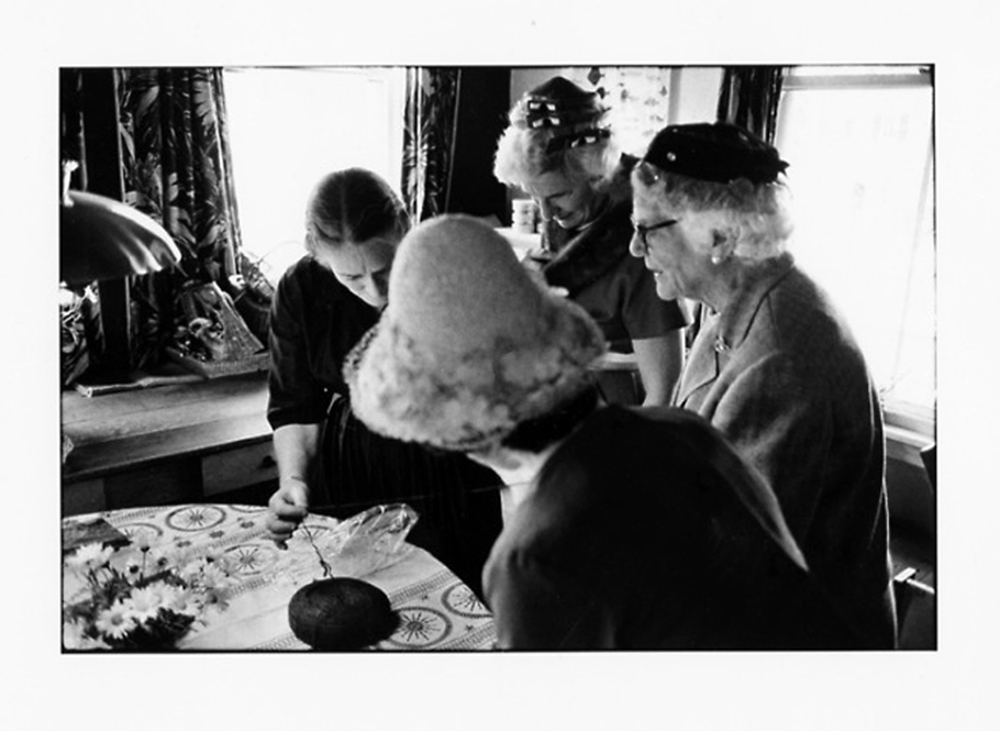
pixel 724 243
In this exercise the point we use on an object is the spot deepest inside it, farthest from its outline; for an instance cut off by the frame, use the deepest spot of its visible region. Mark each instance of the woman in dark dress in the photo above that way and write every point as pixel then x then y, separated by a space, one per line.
pixel 560 150
pixel 323 305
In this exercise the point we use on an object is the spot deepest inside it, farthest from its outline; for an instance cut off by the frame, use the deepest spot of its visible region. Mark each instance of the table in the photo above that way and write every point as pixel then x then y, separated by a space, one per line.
pixel 437 611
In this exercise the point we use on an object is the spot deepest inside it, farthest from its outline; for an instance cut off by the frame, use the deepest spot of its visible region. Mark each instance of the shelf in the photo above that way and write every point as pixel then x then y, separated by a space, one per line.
pixel 123 431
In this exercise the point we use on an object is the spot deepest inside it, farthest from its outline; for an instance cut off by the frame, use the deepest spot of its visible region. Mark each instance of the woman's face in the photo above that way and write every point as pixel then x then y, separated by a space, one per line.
pixel 677 252
pixel 362 267
pixel 560 199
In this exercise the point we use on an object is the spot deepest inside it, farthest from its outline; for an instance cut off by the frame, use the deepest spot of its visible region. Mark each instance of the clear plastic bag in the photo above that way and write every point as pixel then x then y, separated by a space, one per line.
pixel 356 547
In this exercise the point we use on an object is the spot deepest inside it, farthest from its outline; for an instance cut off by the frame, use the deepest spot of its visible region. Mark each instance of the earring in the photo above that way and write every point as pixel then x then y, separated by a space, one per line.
pixel 719 248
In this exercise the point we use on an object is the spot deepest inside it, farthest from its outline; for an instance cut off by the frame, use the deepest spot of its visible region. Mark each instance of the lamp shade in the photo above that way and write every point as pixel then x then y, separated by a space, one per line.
pixel 101 238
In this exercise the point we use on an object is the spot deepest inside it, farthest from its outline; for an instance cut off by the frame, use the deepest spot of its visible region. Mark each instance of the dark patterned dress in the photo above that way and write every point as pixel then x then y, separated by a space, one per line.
pixel 314 323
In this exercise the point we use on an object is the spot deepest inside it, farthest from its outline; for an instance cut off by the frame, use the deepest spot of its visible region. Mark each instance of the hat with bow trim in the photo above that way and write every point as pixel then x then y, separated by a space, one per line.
pixel 571 115
pixel 470 344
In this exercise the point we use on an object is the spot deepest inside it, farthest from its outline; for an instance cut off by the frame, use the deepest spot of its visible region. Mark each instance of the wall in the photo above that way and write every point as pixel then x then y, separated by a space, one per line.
pixel 695 94
pixel 484 99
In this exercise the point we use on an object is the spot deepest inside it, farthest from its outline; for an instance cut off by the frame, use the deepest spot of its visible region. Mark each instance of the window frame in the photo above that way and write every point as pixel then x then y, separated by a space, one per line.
pixel 393 78
pixel 909 427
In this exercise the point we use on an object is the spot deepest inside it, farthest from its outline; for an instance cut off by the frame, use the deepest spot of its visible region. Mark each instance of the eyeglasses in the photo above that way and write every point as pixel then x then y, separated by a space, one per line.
pixel 641 231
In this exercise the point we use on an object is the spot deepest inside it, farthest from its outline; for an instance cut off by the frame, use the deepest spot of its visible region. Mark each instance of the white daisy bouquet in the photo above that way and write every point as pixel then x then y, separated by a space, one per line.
pixel 139 597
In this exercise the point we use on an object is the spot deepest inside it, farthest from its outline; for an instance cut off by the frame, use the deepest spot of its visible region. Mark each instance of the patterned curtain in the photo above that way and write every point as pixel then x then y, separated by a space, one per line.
pixel 81 334
pixel 749 98
pixel 429 139
pixel 175 165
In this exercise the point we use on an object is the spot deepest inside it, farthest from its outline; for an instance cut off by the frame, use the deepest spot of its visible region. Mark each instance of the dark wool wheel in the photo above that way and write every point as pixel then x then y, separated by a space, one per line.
pixel 341 614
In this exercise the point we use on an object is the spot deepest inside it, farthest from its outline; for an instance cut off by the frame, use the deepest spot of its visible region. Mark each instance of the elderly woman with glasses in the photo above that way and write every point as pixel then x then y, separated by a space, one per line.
pixel 774 366
pixel 560 150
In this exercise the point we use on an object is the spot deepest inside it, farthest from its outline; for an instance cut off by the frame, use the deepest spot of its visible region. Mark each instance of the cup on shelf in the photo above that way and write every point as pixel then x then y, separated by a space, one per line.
pixel 523 215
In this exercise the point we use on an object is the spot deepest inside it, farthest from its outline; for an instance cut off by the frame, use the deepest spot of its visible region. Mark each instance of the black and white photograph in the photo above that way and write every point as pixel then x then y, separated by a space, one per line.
pixel 571 369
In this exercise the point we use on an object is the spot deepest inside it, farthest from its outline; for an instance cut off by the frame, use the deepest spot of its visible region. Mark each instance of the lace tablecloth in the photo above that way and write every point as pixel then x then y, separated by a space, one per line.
pixel 437 611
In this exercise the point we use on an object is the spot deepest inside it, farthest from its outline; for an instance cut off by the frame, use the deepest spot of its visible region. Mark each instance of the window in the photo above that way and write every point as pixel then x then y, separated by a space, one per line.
pixel 860 147
pixel 290 126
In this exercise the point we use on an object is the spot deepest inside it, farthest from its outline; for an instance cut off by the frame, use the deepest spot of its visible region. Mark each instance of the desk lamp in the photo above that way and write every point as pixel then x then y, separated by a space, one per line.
pixel 101 238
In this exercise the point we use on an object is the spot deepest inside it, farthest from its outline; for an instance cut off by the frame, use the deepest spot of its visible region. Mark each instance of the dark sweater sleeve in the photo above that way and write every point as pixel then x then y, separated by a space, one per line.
pixel 537 607
pixel 296 396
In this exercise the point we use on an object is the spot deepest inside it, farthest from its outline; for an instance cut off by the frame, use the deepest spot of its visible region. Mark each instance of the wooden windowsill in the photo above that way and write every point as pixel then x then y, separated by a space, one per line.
pixel 121 431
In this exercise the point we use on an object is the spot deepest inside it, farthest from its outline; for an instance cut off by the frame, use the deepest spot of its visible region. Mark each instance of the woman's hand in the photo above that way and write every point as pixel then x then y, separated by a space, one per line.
pixel 286 509
pixel 295 448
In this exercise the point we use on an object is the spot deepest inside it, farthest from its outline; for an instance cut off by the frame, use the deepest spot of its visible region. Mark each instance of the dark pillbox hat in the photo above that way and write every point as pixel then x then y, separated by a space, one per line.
pixel 717 152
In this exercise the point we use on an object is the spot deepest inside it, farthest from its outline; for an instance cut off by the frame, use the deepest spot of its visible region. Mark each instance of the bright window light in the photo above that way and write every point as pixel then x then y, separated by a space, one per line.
pixel 290 126
pixel 861 172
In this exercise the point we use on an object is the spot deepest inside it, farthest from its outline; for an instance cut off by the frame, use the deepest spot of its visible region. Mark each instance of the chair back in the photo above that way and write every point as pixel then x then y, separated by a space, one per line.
pixel 916 612
pixel 928 456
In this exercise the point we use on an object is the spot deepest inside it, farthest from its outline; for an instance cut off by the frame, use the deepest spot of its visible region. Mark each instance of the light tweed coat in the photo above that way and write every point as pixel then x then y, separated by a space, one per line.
pixel 779 374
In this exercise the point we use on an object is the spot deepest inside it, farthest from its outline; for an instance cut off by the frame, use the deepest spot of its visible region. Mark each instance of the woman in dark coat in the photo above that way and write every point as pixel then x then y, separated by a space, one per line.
pixel 774 366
